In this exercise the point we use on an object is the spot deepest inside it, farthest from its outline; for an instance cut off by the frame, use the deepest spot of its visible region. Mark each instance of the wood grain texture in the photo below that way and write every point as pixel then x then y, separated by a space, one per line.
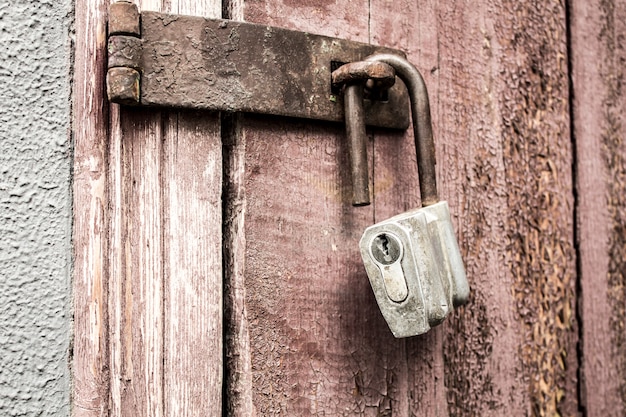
pixel 165 260
pixel 318 342
pixel 90 131
pixel 304 334
pixel 305 330
pixel 141 343
pixel 449 45
pixel 192 181
pixel 539 226
pixel 193 300
pixel 498 88
pixel 502 105
pixel 411 27
pixel 598 56
pixel 237 363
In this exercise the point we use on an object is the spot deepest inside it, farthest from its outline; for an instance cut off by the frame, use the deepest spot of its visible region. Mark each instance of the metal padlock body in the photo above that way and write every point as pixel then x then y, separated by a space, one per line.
pixel 419 289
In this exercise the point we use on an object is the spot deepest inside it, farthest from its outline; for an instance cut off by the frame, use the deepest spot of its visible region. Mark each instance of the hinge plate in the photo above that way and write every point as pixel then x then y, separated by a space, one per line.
pixel 215 64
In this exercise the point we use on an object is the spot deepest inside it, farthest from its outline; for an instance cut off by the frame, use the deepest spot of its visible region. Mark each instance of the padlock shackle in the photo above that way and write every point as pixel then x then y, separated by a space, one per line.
pixel 422 126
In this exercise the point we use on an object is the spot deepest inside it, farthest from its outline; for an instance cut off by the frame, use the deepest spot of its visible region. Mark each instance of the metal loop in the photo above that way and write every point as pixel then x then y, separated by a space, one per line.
pixel 422 127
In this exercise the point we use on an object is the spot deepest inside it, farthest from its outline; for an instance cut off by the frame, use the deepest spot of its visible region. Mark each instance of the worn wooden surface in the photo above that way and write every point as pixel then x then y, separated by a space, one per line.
pixel 90 132
pixel 308 326
pixel 303 314
pixel 599 54
pixel 498 81
pixel 303 333
pixel 165 293
pixel 148 288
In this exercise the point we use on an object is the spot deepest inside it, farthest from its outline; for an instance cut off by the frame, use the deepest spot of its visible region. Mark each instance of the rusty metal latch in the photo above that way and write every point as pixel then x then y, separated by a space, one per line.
pixel 165 60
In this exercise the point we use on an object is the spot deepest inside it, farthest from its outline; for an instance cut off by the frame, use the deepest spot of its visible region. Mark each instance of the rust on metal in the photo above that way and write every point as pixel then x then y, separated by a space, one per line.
pixel 124 19
pixel 358 72
pixel 124 51
pixel 215 64
pixel 123 85
pixel 357 143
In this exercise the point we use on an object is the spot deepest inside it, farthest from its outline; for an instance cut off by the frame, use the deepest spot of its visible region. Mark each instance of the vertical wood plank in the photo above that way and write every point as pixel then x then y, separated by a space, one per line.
pixel 507 176
pixel 193 250
pixel 166 263
pixel 116 264
pixel 136 265
pixel 90 130
pixel 533 101
pixel 598 54
pixel 318 342
pixel 141 297
pixel 440 43
pixel 309 338
pixel 304 328
pixel 502 139
pixel 238 363
pixel 135 261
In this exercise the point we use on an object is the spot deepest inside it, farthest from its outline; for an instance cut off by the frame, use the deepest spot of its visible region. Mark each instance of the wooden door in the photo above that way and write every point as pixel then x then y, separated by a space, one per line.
pixel 217 269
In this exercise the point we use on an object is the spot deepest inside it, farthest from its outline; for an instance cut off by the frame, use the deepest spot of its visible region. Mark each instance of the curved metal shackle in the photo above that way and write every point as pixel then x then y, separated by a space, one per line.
pixel 422 126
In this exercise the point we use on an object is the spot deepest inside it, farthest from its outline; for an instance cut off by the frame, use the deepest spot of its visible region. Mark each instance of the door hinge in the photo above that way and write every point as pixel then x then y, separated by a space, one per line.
pixel 164 60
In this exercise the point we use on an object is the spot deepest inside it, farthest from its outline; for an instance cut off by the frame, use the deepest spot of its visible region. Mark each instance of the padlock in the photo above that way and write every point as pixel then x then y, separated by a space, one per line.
pixel 413 260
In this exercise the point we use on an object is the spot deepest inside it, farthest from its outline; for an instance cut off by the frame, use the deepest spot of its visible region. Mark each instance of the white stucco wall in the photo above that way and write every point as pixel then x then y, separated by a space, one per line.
pixel 35 207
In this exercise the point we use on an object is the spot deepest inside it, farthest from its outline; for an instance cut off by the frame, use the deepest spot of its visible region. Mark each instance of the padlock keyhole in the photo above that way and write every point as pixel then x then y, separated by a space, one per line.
pixel 386 249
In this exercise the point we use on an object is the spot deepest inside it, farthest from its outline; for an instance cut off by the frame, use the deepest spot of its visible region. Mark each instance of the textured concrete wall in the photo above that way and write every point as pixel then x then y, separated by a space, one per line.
pixel 35 207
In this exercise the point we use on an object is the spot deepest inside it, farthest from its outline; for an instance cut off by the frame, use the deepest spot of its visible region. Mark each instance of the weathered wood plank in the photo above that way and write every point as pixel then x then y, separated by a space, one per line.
pixel 304 327
pixel 237 364
pixel 533 100
pixel 447 53
pixel 506 179
pixel 192 182
pixel 305 334
pixel 237 352
pixel 141 298
pixel 318 342
pixel 90 130
pixel 597 31
pixel 136 262
pixel 499 97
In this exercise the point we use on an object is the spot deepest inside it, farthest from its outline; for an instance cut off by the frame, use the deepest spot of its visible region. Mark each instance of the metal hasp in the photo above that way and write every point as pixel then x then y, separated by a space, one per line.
pixel 164 60
pixel 413 260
